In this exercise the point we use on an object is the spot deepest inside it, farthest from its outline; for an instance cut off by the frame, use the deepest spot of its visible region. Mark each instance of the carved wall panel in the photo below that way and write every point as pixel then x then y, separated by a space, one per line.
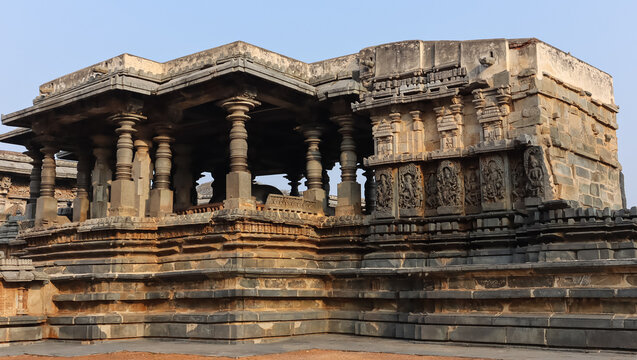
pixel 449 187
pixel 537 177
pixel 493 175
pixel 384 193
pixel 431 192
pixel 472 192
pixel 410 189
pixel 518 180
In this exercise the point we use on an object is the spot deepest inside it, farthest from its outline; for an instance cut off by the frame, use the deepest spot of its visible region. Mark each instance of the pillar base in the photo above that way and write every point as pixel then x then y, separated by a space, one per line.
pixel 161 202
pixel 349 199
pixel 123 198
pixel 46 210
pixel 80 209
pixel 239 185
pixel 316 195
pixel 247 204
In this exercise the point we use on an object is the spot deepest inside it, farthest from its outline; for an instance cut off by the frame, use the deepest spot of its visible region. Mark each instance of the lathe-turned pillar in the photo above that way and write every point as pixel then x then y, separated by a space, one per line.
pixel 47 206
pixel 123 187
pixel 81 203
pixel 34 179
pixel 161 196
pixel 239 179
pixel 183 180
pixel 142 174
pixel 348 190
pixel 101 177
pixel 314 168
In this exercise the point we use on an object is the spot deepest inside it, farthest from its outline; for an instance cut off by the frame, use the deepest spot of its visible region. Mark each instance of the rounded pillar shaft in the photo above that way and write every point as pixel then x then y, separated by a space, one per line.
pixel 34 180
pixel 101 177
pixel 349 191
pixel 314 168
pixel 81 202
pixel 46 207
pixel 184 178
pixel 239 180
pixel 142 174
pixel 123 188
pixel 161 197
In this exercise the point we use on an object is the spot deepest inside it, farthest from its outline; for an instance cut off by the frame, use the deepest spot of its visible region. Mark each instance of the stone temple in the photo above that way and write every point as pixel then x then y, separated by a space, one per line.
pixel 493 202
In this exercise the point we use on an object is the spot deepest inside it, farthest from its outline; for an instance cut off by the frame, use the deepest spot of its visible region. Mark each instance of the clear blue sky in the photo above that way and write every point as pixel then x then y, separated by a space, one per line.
pixel 42 40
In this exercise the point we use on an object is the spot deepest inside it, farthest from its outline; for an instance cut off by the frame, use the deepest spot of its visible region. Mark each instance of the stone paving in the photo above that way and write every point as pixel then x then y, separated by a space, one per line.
pixel 325 342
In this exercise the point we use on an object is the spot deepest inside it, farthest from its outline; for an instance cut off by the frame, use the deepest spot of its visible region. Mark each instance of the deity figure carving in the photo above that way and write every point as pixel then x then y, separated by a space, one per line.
pixel 5 184
pixel 518 181
pixel 493 180
pixel 431 191
pixel 410 185
pixel 472 188
pixel 384 190
pixel 534 172
pixel 448 184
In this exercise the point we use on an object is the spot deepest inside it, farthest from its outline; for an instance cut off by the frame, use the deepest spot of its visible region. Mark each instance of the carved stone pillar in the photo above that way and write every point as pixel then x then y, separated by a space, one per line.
pixel 314 168
pixel 101 177
pixel 370 191
pixel 123 187
pixel 295 181
pixel 161 196
pixel 34 180
pixel 239 179
pixel 47 206
pixel 183 179
pixel 142 174
pixel 81 202
pixel 349 191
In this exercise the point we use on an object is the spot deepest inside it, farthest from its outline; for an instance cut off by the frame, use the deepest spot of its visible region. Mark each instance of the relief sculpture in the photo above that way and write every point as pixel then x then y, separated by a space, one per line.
pixel 472 188
pixel 518 181
pixel 534 172
pixel 448 184
pixel 384 190
pixel 493 180
pixel 410 184
pixel 431 191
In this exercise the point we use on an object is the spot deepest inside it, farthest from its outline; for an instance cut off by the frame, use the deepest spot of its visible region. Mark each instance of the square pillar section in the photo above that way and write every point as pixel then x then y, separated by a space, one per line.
pixel 161 197
pixel 239 179
pixel 348 191
pixel 123 187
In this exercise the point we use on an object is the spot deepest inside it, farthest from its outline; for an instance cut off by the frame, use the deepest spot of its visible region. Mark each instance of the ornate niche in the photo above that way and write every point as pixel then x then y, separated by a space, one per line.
pixel 384 140
pixel 449 187
pixel 410 190
pixel 450 123
pixel 537 177
pixel 472 192
pixel 384 193
pixel 493 175
pixel 492 109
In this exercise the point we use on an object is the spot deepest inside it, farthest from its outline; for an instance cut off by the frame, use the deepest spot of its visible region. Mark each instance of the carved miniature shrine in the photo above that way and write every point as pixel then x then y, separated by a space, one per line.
pixel 493 208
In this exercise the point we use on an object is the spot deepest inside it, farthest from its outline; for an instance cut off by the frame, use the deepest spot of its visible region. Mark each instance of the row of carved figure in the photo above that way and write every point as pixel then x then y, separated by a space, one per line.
pixel 454 183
